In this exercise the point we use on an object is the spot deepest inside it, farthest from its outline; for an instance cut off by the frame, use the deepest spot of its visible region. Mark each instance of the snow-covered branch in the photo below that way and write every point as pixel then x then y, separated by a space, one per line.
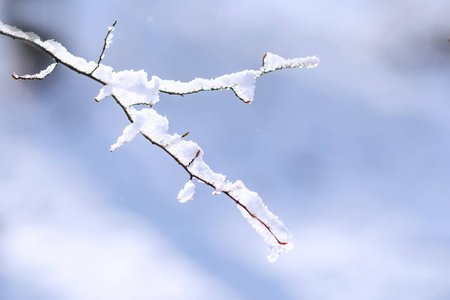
pixel 242 83
pixel 39 76
pixel 130 88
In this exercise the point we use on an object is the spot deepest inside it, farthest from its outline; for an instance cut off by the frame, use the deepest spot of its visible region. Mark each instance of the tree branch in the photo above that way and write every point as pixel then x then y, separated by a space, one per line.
pixel 129 88
pixel 41 75
pixel 242 83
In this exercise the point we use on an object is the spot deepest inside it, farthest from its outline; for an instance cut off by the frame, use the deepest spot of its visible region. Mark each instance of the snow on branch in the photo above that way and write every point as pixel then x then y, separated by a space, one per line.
pixel 41 75
pixel 187 192
pixel 242 83
pixel 130 88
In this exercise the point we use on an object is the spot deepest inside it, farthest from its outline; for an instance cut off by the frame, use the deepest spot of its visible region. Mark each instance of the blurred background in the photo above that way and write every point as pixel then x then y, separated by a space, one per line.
pixel 353 156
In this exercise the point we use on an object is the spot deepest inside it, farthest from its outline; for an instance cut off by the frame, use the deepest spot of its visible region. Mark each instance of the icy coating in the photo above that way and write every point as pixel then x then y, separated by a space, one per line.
pixel 130 88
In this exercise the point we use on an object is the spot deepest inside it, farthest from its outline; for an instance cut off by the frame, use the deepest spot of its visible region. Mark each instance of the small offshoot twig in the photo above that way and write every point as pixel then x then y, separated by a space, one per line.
pixel 39 76
pixel 106 43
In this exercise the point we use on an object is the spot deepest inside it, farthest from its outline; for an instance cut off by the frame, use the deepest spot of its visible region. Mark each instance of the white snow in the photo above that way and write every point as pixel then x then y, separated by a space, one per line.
pixel 151 124
pixel 202 170
pixel 16 32
pixel 66 57
pixel 184 150
pixel 148 122
pixel 272 62
pixel 242 83
pixel 130 87
pixel 187 192
pixel 128 134
pixel 55 48
pixel 253 202
pixel 40 75
pixel 109 36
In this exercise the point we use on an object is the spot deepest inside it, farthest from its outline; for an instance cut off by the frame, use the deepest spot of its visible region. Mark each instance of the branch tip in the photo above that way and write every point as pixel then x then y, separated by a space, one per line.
pixel 196 155
pixel 39 76
pixel 264 59
pixel 106 43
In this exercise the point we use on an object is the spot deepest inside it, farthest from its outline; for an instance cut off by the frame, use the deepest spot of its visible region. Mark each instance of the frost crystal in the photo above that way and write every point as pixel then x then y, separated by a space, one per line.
pixel 187 192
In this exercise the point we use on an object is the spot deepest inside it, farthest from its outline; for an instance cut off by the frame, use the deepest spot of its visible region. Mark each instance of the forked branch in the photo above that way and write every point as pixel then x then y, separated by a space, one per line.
pixel 130 88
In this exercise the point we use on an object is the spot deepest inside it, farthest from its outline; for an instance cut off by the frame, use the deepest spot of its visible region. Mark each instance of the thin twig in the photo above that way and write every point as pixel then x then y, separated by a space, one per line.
pixel 105 45
pixel 41 75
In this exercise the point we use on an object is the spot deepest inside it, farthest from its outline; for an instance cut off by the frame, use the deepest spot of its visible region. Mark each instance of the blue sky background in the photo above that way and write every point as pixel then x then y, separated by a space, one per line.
pixel 353 156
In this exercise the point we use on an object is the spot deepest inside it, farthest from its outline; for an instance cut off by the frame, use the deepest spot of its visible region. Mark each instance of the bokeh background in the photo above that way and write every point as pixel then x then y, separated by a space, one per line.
pixel 353 156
